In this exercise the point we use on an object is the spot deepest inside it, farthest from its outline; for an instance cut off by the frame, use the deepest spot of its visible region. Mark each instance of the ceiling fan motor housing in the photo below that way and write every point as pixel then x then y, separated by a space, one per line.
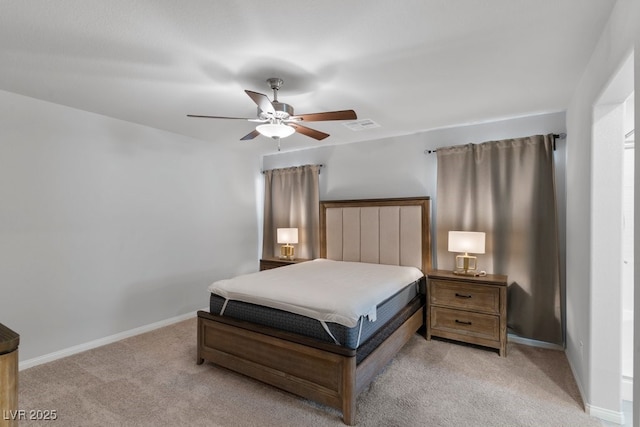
pixel 283 111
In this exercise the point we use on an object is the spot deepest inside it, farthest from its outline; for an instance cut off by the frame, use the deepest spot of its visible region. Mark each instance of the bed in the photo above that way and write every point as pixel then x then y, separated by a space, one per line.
pixel 317 365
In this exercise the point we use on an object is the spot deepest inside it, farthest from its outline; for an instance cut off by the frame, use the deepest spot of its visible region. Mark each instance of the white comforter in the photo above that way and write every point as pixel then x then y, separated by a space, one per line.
pixel 325 290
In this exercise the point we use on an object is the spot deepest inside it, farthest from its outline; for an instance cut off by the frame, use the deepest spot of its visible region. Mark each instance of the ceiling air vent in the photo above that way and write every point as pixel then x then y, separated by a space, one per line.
pixel 363 124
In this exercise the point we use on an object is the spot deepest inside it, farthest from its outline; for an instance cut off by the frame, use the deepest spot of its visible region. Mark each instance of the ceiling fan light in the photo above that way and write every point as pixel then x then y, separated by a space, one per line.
pixel 275 130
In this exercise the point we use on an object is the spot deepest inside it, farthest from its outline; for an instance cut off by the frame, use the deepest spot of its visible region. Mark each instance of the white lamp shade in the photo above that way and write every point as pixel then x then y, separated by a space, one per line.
pixel 466 241
pixel 275 130
pixel 287 235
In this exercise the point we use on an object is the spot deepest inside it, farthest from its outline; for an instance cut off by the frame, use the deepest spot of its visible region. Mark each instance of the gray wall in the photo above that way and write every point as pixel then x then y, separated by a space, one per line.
pixel 107 226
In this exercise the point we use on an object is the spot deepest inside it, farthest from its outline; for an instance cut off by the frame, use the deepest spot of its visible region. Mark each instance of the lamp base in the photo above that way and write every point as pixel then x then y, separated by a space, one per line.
pixel 467 272
pixel 286 252
pixel 466 265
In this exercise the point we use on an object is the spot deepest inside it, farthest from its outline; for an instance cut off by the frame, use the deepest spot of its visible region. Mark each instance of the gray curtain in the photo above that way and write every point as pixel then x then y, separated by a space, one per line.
pixel 292 200
pixel 507 189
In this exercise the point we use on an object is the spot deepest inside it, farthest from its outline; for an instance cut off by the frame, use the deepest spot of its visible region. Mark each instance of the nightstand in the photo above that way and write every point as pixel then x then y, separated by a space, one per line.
pixel 472 309
pixel 269 263
pixel 9 341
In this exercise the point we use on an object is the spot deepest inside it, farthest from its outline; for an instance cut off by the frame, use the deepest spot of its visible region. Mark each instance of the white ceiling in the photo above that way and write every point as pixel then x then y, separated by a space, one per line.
pixel 408 65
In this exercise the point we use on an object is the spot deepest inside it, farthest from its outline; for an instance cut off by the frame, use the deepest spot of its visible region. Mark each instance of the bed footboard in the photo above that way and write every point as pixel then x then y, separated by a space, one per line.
pixel 322 372
pixel 316 374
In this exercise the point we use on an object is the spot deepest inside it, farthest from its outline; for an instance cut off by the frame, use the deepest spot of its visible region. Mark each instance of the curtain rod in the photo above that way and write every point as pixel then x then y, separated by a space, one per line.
pixel 555 136
pixel 320 165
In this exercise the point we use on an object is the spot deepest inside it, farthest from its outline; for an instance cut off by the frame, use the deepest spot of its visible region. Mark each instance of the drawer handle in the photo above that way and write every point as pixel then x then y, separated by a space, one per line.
pixel 462 322
pixel 462 295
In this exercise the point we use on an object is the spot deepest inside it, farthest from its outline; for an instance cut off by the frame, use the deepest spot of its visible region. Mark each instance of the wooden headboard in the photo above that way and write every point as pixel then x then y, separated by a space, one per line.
pixel 379 231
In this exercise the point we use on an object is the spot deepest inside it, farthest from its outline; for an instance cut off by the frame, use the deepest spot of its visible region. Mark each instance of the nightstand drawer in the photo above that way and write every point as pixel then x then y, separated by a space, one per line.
pixel 467 323
pixel 465 295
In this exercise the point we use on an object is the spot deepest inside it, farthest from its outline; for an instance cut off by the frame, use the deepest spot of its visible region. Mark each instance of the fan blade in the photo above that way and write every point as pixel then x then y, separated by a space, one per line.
pixel 218 117
pixel 329 115
pixel 262 100
pixel 315 134
pixel 250 135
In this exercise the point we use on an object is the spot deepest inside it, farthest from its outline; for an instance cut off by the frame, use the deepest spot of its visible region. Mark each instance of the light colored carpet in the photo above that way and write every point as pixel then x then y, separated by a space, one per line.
pixel 153 380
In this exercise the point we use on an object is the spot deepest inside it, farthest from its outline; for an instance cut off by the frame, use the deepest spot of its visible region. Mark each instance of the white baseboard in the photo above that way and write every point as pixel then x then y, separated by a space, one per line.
pixel 102 341
pixel 601 413
pixel 534 343
pixel 576 378
pixel 605 414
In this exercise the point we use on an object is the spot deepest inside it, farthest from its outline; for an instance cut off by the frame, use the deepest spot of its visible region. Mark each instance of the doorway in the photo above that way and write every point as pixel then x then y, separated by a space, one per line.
pixel 628 250
pixel 612 316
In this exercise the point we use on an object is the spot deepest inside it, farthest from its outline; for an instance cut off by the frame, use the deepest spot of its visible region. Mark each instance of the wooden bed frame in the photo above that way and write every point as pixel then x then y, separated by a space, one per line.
pixel 323 372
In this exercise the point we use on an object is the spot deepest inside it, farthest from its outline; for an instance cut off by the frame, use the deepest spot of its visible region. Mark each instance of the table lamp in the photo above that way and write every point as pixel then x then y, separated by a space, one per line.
pixel 287 237
pixel 467 242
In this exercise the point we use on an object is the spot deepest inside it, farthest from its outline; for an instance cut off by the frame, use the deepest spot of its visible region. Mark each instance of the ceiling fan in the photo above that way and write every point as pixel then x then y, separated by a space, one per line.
pixel 279 121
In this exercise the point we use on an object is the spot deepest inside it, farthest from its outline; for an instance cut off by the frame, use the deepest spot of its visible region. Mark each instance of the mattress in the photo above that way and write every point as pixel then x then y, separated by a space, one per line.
pixel 328 291
pixel 350 337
